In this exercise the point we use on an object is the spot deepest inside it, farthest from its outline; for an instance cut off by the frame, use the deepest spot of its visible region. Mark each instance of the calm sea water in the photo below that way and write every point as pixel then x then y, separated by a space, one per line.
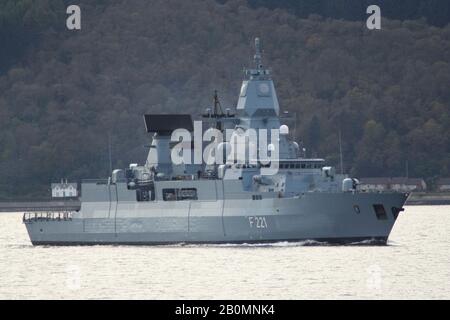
pixel 415 264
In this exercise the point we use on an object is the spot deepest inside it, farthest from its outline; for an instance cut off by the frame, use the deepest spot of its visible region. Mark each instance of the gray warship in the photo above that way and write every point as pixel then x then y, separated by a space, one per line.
pixel 167 202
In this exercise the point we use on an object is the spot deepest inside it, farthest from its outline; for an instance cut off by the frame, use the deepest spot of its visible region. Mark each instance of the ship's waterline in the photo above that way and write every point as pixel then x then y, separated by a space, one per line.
pixel 414 264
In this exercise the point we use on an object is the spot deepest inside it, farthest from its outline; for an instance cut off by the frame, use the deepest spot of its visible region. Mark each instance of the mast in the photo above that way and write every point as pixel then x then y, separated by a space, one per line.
pixel 216 109
pixel 258 95
pixel 257 56
pixel 217 106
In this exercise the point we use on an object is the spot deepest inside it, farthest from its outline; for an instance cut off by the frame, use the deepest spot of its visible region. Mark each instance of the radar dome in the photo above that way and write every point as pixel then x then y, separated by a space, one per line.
pixel 284 130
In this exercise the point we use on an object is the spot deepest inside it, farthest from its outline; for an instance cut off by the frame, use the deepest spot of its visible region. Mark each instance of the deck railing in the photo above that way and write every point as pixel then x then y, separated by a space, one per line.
pixel 47 216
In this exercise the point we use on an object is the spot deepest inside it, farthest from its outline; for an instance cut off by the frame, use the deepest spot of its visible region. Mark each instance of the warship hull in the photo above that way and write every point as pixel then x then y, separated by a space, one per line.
pixel 329 217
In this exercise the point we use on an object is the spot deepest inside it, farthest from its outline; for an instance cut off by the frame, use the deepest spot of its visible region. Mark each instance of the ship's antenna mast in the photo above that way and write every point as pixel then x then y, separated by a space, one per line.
pixel 257 56
pixel 216 109
pixel 217 105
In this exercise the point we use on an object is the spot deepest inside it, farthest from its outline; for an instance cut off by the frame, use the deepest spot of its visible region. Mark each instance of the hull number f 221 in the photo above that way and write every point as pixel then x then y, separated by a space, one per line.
pixel 257 222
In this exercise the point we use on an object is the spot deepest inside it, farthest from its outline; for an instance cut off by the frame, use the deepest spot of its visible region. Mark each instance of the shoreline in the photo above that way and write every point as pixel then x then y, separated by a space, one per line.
pixel 428 198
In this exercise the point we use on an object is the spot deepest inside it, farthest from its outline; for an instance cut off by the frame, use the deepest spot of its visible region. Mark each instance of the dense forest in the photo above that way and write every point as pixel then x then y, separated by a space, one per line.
pixel 435 12
pixel 64 94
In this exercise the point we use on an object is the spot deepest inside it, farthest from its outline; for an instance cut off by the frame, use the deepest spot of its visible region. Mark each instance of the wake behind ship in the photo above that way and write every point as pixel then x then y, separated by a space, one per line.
pixel 227 201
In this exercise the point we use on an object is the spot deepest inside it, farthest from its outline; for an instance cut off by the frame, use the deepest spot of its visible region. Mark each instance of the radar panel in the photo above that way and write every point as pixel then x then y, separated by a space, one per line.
pixel 167 123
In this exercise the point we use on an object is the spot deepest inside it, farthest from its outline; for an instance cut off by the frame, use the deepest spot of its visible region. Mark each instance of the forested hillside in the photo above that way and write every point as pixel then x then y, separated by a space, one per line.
pixel 435 12
pixel 63 93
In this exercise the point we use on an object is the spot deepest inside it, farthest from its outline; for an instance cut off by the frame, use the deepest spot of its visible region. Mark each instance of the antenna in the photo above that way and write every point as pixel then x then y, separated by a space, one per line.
pixel 340 152
pixel 217 111
pixel 257 56
pixel 217 105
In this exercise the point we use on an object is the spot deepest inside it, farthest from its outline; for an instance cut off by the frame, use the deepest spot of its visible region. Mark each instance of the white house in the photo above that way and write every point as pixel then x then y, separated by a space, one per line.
pixel 401 184
pixel 64 190
pixel 374 184
pixel 408 184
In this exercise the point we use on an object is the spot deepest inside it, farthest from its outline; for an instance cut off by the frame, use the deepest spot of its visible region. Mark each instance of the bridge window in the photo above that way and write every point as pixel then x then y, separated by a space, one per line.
pixel 169 195
pixel 187 194
pixel 297 166
pixel 292 166
pixel 256 197
pixel 180 194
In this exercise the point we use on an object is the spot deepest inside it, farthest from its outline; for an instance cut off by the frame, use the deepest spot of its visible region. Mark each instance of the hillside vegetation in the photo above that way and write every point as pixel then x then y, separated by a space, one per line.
pixel 64 93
